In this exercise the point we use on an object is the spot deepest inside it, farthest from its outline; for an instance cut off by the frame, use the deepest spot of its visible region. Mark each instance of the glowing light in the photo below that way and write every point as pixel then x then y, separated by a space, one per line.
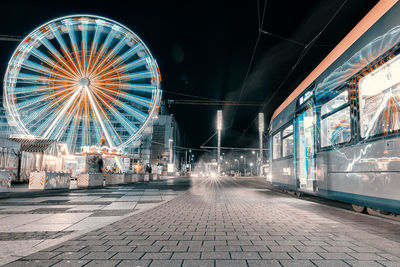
pixel 90 80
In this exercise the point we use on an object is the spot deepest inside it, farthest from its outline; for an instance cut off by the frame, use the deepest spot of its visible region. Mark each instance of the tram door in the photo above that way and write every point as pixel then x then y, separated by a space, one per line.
pixel 305 149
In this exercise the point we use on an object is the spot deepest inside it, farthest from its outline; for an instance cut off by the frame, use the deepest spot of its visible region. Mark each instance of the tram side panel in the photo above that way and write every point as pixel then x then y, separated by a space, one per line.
pixel 364 174
pixel 282 173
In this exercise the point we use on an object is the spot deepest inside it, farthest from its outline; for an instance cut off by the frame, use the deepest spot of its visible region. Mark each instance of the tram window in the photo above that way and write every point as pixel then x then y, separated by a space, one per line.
pixel 287 146
pixel 335 103
pixel 335 128
pixel 379 93
pixel 276 146
pixel 287 141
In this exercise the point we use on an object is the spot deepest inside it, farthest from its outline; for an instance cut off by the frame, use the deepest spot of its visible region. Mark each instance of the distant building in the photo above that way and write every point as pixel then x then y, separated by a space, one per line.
pixel 165 128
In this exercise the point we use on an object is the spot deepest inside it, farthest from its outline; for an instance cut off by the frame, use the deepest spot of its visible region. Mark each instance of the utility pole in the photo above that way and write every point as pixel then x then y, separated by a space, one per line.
pixel 260 133
pixel 219 129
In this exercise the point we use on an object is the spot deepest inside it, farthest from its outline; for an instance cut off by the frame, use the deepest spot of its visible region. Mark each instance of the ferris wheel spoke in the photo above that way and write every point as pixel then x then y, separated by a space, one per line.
pixel 58 56
pixel 32 66
pixel 107 60
pixel 132 129
pixel 121 69
pixel 75 49
pixel 39 89
pixel 85 123
pixel 93 46
pixel 137 114
pixel 72 132
pixel 34 114
pixel 84 45
pixel 63 111
pixel 65 51
pixel 35 52
pixel 103 48
pixel 144 88
pixel 46 124
pixel 106 118
pixel 103 123
pixel 117 61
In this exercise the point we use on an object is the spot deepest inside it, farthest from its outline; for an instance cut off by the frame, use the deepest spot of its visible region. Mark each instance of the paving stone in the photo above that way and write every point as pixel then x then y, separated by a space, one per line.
pixel 245 255
pixel 103 263
pixel 275 256
pixel 66 263
pixel 134 263
pixel 179 248
pixel 127 256
pixel 297 263
pixel 230 263
pixel 215 255
pixel 263 263
pixel 304 255
pixel 156 256
pixel 99 255
pixel 42 255
pixel 365 256
pixel 186 255
pixel 363 263
pixel 198 263
pixel 71 255
pixel 32 263
pixel 166 263
pixel 228 248
pixel 330 263
pixel 335 256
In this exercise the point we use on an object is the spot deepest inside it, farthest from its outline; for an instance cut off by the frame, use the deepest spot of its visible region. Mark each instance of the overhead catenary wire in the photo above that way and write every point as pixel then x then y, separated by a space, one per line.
pixel 301 56
pixel 250 63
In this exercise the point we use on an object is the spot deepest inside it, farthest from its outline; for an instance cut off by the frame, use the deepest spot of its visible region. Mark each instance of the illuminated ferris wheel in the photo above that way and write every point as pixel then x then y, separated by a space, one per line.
pixel 80 79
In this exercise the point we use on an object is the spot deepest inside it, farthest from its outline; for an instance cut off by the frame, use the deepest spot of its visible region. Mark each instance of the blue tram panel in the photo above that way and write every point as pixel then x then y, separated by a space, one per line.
pixel 339 137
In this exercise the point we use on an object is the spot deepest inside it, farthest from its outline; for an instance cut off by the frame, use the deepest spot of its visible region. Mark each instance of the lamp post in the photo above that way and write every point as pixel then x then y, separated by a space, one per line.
pixel 251 168
pixel 219 129
pixel 260 134
pixel 238 165
pixel 244 164
pixel 170 149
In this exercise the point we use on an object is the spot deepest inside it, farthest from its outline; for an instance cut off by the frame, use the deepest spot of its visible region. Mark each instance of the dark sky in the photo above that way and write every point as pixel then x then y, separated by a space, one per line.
pixel 204 48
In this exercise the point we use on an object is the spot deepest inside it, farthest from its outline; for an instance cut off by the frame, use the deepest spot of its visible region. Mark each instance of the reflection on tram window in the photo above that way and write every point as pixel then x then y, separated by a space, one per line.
pixel 276 146
pixel 380 100
pixel 335 129
pixel 287 146
pixel 287 141
pixel 335 103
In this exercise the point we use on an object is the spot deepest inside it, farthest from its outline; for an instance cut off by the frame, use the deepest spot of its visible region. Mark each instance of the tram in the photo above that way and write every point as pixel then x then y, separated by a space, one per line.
pixel 338 134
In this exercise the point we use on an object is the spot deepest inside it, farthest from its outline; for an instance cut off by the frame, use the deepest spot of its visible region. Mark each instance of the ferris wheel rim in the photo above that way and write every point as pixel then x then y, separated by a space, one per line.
pixel 155 95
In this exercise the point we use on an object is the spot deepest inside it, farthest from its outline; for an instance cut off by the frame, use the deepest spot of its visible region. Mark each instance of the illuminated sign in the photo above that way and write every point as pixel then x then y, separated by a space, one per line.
pixel 307 95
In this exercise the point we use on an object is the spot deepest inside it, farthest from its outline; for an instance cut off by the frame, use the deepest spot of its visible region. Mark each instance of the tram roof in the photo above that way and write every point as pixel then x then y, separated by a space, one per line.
pixel 373 15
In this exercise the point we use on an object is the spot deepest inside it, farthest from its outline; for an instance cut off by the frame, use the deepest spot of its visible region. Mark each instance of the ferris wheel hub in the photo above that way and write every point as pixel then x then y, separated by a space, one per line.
pixel 84 82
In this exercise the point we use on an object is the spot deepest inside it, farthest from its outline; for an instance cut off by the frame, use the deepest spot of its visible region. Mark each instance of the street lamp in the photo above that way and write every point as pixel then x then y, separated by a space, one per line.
pixel 219 129
pixel 238 165
pixel 244 163
pixel 170 149
pixel 251 168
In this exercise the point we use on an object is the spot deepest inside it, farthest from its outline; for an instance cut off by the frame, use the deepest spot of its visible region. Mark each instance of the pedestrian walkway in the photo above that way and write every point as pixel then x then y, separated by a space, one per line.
pixel 232 223
pixel 36 222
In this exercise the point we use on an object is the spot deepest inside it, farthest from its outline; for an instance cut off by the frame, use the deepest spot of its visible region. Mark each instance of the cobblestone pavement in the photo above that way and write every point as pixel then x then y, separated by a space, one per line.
pixel 230 223
pixel 33 223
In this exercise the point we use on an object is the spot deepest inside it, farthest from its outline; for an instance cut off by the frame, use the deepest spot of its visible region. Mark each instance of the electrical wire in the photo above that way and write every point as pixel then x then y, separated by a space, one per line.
pixel 250 63
pixel 303 53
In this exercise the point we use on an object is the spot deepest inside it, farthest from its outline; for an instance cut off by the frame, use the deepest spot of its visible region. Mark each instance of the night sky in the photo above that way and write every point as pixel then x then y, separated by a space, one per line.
pixel 204 49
